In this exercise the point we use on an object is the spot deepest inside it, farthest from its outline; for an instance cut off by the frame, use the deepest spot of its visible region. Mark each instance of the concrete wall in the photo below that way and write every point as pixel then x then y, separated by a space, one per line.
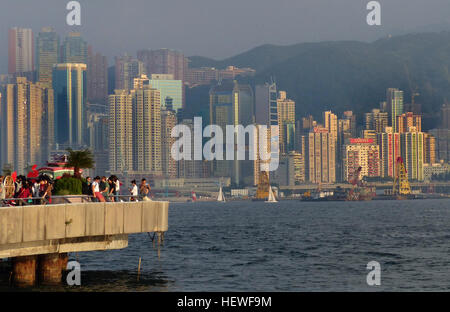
pixel 52 222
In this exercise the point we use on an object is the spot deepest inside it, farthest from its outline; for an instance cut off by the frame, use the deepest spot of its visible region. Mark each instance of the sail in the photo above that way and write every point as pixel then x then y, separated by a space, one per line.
pixel 221 198
pixel 271 198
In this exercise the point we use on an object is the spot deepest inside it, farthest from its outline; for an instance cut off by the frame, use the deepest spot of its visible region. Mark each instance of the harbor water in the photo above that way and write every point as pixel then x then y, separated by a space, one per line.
pixel 284 246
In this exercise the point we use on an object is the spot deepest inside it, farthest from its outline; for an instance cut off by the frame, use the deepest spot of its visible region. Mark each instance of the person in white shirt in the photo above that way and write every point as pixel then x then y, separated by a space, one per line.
pixel 96 190
pixel 134 191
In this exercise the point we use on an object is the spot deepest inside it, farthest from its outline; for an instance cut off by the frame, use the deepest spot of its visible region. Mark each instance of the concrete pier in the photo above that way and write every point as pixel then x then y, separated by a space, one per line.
pixel 38 238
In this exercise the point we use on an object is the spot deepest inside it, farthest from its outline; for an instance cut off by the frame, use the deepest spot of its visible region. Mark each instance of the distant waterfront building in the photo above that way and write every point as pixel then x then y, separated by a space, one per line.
pixel 407 120
pixel 26 124
pixel 389 142
pixel 376 120
pixel 20 50
pixel 321 156
pixel 69 85
pixel 74 49
pixel 395 105
pixel 127 69
pixel 429 148
pixel 412 147
pixel 97 78
pixel 364 153
pixel 168 122
pixel 286 122
pixel 47 54
pixel 291 170
pixel 430 170
pixel 442 144
pixel 190 168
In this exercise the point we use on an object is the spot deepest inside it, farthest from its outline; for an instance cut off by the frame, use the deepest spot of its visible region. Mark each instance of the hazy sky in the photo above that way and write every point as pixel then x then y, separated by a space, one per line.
pixel 217 28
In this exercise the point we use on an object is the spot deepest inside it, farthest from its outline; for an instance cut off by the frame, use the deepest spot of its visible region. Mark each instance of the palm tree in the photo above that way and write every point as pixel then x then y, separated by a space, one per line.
pixel 80 160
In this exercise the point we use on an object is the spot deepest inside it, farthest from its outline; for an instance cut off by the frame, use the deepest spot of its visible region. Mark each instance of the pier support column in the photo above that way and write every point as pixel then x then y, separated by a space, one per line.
pixel 24 271
pixel 50 268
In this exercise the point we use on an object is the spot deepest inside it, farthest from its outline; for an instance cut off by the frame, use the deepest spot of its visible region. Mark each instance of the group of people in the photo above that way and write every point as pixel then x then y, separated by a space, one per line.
pixel 27 191
pixel 102 189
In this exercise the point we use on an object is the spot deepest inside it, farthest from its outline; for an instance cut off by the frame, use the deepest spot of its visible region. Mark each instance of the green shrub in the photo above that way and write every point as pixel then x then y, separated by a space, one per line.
pixel 68 186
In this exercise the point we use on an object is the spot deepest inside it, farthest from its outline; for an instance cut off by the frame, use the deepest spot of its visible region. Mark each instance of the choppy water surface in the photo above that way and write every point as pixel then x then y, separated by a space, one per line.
pixel 287 246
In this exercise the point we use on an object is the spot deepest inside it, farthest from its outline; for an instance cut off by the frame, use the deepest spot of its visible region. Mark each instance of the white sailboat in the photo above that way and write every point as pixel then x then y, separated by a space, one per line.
pixel 271 198
pixel 221 197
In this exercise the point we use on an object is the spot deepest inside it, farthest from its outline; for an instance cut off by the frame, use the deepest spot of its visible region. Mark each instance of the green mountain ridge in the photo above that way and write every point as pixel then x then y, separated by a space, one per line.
pixel 351 75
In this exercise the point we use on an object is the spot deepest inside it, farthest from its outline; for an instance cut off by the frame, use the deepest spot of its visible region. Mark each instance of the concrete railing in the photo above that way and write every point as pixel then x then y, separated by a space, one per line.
pixel 28 226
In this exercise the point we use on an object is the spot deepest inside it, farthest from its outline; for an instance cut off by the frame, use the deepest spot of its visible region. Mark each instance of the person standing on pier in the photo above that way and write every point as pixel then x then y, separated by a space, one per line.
pixel 96 190
pixel 144 190
pixel 133 191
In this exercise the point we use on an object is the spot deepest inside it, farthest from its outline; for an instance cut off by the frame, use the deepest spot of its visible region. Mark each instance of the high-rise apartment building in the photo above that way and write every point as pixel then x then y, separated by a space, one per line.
pixel 20 50
pixel 394 99
pixel 74 49
pixel 321 156
pixel 429 149
pixel 442 144
pixel 168 122
pixel 412 147
pixel 47 53
pixel 25 124
pixel 147 130
pixel 69 85
pixel 364 153
pixel 376 120
pixel 408 120
pixel 120 132
pixel 389 142
pixel 97 78
pixel 286 122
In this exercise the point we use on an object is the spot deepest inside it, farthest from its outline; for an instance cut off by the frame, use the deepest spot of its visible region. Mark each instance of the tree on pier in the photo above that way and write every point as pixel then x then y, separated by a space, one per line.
pixel 82 159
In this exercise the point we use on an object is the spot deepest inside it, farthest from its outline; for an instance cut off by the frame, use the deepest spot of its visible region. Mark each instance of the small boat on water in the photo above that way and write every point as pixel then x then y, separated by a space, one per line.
pixel 271 198
pixel 221 197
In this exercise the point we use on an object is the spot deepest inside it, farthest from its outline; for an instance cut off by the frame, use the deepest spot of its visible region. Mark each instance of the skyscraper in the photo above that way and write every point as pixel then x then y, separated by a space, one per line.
pixel 147 131
pixel 168 121
pixel 69 85
pixel 321 156
pixel 120 132
pixel 286 122
pixel 389 142
pixel 362 153
pixel 394 99
pixel 97 78
pixel 74 49
pixel 20 50
pixel 412 148
pixel 231 104
pixel 376 120
pixel 25 123
pixel 407 120
pixel 127 69
pixel 47 48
